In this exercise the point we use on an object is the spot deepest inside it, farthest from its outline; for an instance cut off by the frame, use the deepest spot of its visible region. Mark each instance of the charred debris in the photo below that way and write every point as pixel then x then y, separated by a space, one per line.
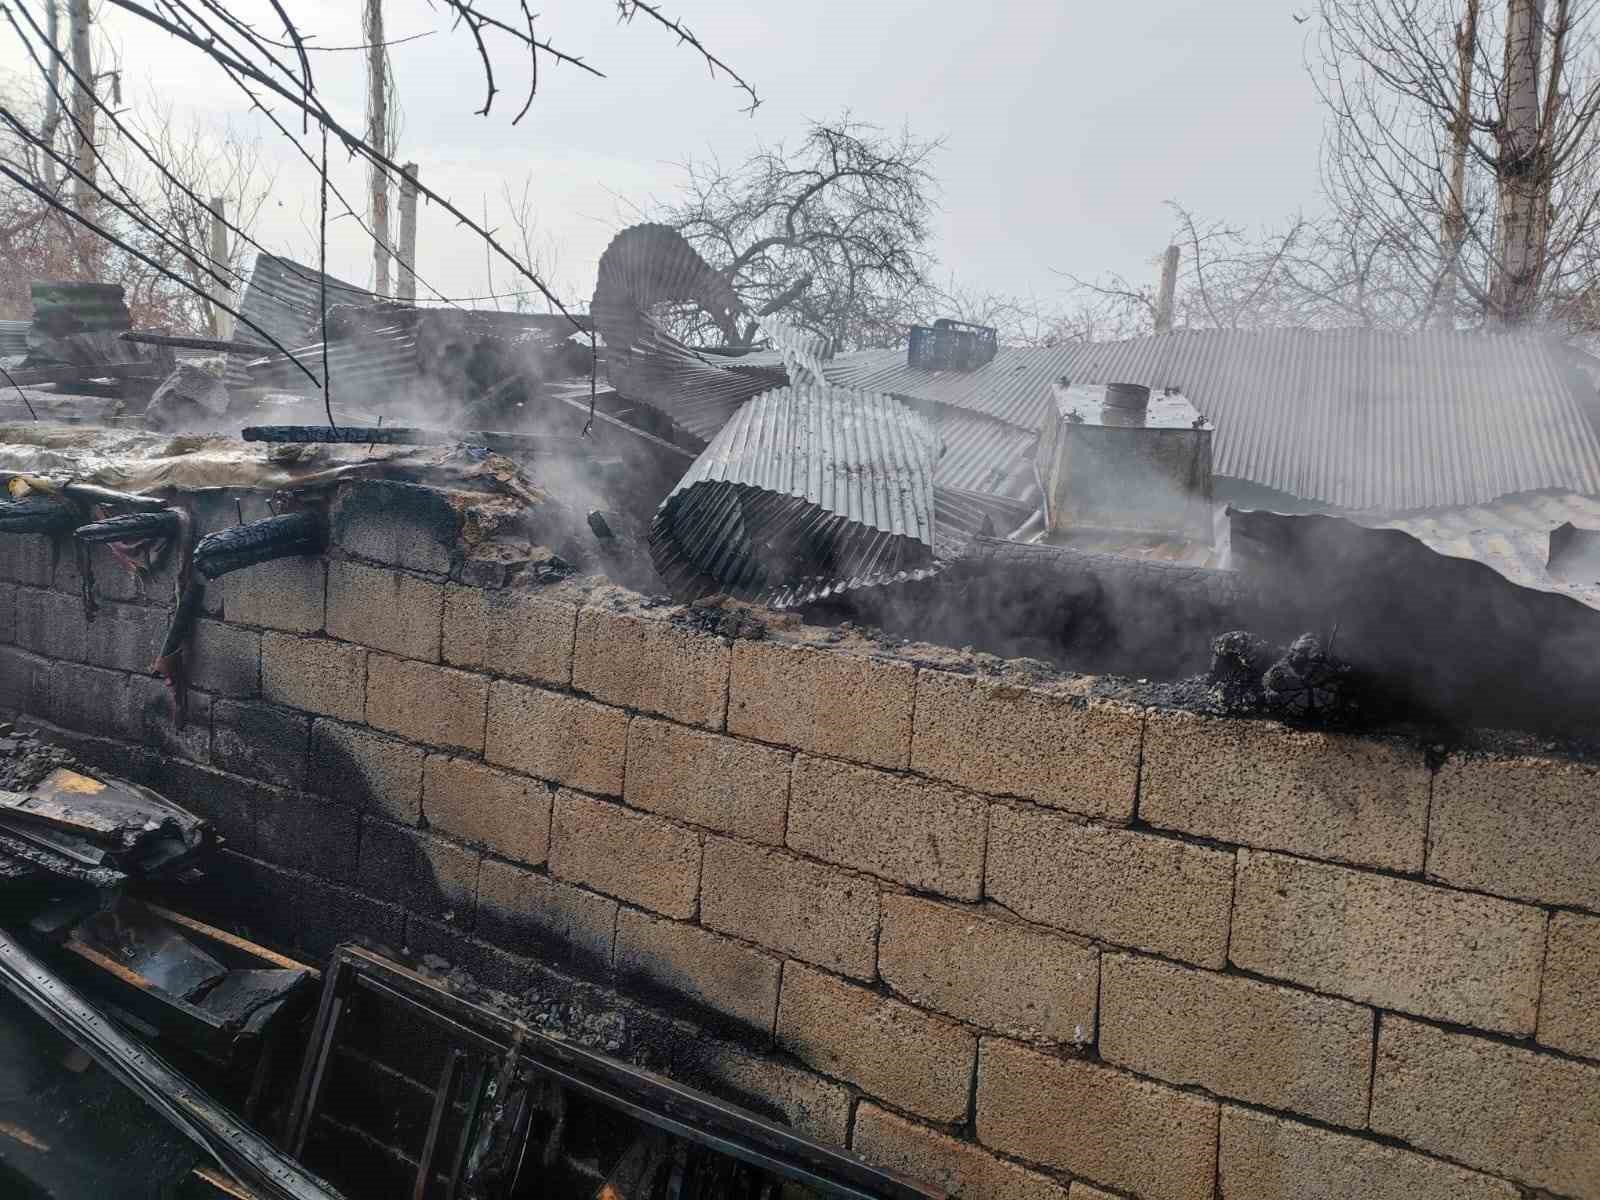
pixel 1420 506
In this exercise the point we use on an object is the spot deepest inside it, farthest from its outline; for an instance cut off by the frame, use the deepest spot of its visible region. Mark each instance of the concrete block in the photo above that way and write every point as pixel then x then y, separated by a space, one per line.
pixel 799 908
pixel 123 637
pixel 317 675
pixel 712 971
pixel 1569 1006
pixel 1089 1120
pixel 1132 889
pixel 706 779
pixel 397 524
pixel 422 874
pixel 287 593
pixel 436 705
pixel 645 661
pixel 1389 942
pixel 523 911
pixel 997 974
pixel 888 1049
pixel 1265 1158
pixel 961 1169
pixel 807 1103
pixel 1266 1045
pixel 1531 1117
pixel 385 610
pixel 29 559
pixel 1005 740
pixel 1256 783
pixel 153 723
pixel 260 741
pixel 51 624
pixel 1087 1191
pixel 523 635
pixel 554 737
pixel 226 659
pixel 633 856
pixel 85 698
pixel 827 702
pixel 23 679
pixel 505 814
pixel 308 833
pixel 914 832
pixel 227 801
pixel 365 770
pixel 1522 827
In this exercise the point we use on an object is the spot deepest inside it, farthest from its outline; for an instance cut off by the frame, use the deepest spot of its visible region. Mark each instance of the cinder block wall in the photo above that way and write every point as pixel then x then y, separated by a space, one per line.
pixel 1016 942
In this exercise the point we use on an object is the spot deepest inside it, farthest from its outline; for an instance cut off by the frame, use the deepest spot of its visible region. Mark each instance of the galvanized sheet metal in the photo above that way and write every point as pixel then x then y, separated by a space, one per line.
pixel 1360 419
pixel 806 491
pixel 13 338
pixel 644 268
pixel 1512 535
pixel 284 298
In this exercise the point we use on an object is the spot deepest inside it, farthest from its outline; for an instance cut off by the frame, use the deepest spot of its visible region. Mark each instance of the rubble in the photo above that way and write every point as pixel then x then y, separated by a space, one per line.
pixel 189 398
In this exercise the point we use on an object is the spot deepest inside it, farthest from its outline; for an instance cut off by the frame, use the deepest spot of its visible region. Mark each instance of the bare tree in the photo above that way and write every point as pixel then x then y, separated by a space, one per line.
pixel 1463 146
pixel 832 232
pixel 273 71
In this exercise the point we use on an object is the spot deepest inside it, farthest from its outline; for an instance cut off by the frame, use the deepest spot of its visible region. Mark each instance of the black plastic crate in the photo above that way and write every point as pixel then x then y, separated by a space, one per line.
pixel 952 345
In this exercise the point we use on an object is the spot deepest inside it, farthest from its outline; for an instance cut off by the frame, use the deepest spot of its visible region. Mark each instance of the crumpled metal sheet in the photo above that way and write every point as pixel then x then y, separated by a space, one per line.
pixel 808 491
pixel 644 268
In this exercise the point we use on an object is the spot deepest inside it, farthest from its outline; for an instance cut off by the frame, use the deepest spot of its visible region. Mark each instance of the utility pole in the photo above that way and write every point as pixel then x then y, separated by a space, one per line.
pixel 84 157
pixel 378 138
pixel 406 288
pixel 221 319
pixel 1169 290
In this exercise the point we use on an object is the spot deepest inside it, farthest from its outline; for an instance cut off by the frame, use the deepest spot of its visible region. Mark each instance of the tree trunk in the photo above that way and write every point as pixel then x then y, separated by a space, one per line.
pixel 377 136
pixel 84 155
pixel 1453 227
pixel 1522 171
pixel 52 97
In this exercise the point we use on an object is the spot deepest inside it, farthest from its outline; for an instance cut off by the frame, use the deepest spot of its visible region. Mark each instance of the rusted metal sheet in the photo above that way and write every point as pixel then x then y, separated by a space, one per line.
pixel 807 491
pixel 1360 419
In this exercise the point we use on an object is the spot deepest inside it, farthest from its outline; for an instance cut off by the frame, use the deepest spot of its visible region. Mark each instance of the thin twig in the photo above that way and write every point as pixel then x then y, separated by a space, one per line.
pixel 26 403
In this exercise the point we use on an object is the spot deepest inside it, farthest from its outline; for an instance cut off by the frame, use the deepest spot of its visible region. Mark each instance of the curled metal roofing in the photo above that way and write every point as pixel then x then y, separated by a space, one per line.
pixel 807 491
pixel 1360 419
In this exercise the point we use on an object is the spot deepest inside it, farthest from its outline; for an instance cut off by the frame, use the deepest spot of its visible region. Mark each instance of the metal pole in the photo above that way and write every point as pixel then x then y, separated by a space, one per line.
pixel 407 281
pixel 1169 288
pixel 221 319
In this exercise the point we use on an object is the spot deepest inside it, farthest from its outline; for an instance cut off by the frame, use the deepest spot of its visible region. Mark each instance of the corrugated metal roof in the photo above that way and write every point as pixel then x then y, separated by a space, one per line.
pixel 13 338
pixel 1512 535
pixel 283 298
pixel 806 491
pixel 1359 419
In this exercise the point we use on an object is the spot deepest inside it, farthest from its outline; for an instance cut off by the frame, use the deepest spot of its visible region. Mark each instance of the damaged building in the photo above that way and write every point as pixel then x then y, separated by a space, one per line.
pixel 1157 769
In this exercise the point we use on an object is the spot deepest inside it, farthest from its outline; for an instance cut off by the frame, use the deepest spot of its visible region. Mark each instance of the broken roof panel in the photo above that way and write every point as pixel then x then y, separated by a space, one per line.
pixel 807 491
pixel 1360 419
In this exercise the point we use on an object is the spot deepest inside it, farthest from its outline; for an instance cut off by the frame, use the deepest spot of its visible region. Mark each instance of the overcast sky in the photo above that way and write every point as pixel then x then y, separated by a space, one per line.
pixel 1066 123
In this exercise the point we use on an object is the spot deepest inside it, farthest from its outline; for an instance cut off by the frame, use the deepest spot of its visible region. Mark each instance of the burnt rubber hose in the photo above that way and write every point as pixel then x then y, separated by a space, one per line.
pixel 259 541
pixel 36 514
pixel 131 527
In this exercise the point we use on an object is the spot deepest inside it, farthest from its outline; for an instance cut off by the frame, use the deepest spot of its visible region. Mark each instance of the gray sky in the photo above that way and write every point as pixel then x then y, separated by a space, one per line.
pixel 1067 124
